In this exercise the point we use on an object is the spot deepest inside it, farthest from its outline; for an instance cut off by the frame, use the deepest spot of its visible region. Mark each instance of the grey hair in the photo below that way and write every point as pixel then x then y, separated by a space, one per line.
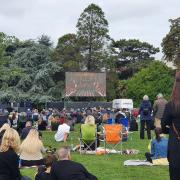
pixel 145 97
pixel 63 153
pixel 160 95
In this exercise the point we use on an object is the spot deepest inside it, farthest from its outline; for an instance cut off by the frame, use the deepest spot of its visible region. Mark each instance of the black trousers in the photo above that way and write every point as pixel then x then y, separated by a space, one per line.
pixel 148 128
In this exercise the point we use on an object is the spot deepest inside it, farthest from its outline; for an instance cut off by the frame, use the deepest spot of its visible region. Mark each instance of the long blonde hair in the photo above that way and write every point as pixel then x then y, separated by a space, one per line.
pixel 90 120
pixel 10 139
pixel 5 127
pixel 31 143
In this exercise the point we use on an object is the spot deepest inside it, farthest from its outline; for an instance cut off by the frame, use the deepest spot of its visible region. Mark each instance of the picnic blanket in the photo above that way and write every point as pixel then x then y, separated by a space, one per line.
pixel 156 162
pixel 101 151
pixel 137 163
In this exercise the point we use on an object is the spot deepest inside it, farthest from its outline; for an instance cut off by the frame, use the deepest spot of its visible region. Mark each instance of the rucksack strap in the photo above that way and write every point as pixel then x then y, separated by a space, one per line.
pixel 176 131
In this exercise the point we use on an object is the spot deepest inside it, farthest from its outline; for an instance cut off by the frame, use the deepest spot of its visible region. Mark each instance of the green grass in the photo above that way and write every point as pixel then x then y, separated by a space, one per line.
pixel 110 167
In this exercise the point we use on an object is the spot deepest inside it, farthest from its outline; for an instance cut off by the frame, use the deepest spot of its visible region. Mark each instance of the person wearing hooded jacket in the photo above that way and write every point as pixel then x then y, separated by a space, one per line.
pixel 145 117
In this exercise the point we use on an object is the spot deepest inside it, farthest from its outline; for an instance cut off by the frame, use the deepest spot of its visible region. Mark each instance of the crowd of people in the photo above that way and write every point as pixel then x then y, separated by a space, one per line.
pixel 27 150
pixel 21 141
pixel 19 129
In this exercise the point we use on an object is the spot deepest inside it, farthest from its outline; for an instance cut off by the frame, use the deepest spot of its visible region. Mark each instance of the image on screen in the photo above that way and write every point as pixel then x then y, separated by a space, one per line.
pixel 85 84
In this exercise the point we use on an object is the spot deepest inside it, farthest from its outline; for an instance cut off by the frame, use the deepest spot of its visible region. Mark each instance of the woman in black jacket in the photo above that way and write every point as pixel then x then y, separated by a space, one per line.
pixel 171 119
pixel 9 161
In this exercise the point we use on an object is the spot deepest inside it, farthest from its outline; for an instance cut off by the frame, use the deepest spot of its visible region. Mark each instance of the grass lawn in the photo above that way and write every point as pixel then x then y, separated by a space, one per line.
pixel 110 167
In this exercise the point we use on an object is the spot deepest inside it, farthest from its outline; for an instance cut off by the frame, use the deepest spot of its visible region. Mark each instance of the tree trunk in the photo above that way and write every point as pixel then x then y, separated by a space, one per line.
pixel 90 45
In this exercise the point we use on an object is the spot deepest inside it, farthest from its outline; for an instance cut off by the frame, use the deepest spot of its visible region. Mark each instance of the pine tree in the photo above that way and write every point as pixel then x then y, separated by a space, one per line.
pixel 92 32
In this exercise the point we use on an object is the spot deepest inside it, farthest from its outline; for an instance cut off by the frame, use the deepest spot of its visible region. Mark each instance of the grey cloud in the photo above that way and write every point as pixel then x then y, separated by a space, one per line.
pixel 13 8
pixel 146 20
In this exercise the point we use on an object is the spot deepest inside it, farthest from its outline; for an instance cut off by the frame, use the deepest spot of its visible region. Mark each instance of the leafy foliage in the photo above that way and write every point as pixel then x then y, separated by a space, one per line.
pixel 45 40
pixel 29 74
pixel 171 43
pixel 133 50
pixel 67 52
pixel 132 55
pixel 112 80
pixel 151 80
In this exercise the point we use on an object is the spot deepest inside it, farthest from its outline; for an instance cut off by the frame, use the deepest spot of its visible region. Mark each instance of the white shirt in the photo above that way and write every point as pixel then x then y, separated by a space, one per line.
pixel 62 129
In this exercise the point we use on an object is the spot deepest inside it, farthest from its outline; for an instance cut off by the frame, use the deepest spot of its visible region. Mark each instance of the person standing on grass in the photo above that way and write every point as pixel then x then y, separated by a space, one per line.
pixel 65 169
pixel 171 118
pixel 145 117
pixel 63 131
pixel 158 109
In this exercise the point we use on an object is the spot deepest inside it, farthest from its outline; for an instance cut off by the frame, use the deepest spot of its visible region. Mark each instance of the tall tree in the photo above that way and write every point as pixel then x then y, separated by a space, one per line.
pixel 132 55
pixel 45 40
pixel 67 52
pixel 92 32
pixel 10 73
pixel 30 73
pixel 39 69
pixel 171 43
pixel 133 50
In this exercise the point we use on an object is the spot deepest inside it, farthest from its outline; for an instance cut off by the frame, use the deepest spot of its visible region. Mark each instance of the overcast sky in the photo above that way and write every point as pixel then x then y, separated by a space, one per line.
pixel 146 20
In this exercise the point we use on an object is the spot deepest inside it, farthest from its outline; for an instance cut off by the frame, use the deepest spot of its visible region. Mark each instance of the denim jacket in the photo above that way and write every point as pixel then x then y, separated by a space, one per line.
pixel 159 149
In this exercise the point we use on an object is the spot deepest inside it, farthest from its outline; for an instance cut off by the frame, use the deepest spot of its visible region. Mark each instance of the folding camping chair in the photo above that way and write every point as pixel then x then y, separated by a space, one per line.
pixel 88 139
pixel 113 136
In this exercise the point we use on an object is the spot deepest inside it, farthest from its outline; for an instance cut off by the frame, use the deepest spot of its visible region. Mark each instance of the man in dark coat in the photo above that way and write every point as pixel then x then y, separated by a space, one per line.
pixel 67 169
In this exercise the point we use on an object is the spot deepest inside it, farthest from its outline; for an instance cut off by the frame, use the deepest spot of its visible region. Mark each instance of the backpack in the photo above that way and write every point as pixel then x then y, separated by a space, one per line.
pixel 145 111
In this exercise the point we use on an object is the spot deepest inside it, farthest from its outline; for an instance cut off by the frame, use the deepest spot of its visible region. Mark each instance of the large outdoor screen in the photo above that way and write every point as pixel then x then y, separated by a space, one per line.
pixel 86 84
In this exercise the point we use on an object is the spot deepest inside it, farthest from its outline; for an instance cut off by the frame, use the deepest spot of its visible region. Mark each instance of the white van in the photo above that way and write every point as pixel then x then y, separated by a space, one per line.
pixel 122 104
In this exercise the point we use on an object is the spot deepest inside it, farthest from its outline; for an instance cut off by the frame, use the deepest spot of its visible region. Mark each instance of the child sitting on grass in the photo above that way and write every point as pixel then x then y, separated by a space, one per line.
pixel 44 171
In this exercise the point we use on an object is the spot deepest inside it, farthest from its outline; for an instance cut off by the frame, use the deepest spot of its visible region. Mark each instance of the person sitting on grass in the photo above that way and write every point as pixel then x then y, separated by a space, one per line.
pixel 31 150
pixel 87 129
pixel 26 130
pixel 158 147
pixel 63 131
pixel 65 169
pixel 9 160
pixel 42 124
pixel 44 172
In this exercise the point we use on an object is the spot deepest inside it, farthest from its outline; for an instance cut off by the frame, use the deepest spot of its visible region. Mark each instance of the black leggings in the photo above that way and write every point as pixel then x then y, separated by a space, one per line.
pixel 32 162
